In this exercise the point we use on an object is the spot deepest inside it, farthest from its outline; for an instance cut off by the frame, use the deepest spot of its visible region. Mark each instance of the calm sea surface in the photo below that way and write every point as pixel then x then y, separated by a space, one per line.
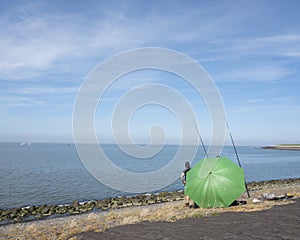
pixel 53 173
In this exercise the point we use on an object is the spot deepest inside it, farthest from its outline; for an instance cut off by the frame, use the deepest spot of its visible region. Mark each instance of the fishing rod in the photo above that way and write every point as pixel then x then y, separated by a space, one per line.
pixel 200 137
pixel 237 156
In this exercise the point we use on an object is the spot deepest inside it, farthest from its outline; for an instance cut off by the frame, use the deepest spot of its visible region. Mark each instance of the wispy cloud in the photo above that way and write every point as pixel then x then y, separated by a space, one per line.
pixel 44 90
pixel 47 48
pixel 9 101
pixel 34 42
pixel 36 96
pixel 250 72
pixel 276 45
pixel 255 58
pixel 258 100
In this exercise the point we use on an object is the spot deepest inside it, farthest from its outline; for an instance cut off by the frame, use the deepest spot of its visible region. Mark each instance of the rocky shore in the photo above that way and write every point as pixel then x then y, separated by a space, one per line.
pixel 165 214
pixel 30 213
pixel 43 211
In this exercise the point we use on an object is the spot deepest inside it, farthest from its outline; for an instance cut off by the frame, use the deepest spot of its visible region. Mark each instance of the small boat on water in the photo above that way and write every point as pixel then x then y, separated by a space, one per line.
pixel 25 143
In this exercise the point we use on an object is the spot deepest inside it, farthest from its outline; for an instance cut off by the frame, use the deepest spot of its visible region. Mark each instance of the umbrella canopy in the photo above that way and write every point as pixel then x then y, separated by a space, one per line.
pixel 215 182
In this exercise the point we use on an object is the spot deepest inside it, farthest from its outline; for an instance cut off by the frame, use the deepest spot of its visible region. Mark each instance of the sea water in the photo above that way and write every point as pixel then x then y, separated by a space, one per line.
pixel 43 173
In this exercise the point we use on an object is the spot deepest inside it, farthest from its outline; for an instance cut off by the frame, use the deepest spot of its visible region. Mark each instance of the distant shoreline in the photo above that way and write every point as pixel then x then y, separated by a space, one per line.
pixel 294 147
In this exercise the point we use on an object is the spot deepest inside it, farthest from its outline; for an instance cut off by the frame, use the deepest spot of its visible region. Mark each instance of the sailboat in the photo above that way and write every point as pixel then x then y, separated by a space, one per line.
pixel 25 143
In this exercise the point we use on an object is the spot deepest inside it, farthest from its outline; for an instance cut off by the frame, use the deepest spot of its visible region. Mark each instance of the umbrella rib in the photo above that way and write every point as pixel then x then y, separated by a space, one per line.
pixel 230 190
pixel 208 182
pixel 214 193
pixel 193 193
pixel 222 200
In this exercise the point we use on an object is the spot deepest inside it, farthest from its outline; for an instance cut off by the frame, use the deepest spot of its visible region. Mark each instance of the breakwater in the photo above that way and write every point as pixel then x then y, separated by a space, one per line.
pixel 42 211
pixel 294 147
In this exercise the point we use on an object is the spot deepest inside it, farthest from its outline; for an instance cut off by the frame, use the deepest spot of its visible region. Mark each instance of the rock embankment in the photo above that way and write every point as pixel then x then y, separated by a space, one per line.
pixel 38 212
pixel 42 211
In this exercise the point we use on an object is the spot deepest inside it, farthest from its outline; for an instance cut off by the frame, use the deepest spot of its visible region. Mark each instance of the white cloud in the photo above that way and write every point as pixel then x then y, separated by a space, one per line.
pixel 36 96
pixel 278 45
pixel 260 72
pixel 44 90
pixel 47 48
pixel 257 100
pixel 31 46
pixel 19 101
pixel 292 53
pixel 33 43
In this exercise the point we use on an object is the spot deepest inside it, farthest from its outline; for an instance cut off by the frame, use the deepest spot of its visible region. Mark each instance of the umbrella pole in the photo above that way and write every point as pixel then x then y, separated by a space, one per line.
pixel 200 138
pixel 237 156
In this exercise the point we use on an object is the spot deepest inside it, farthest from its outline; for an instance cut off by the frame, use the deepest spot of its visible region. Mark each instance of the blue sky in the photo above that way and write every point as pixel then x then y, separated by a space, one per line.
pixel 251 49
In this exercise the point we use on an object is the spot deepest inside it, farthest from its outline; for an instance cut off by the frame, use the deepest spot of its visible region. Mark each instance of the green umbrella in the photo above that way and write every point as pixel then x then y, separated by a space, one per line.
pixel 215 182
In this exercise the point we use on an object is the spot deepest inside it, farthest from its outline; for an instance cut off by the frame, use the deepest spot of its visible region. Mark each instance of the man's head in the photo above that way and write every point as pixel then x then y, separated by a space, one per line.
pixel 187 164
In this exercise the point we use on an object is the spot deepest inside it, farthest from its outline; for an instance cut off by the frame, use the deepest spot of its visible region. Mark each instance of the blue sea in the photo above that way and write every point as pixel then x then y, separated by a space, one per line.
pixel 43 173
